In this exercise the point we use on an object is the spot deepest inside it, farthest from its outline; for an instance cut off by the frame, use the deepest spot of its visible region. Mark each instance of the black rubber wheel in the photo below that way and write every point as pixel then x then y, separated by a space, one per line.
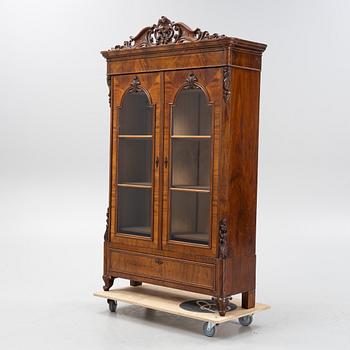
pixel 208 330
pixel 112 305
pixel 246 320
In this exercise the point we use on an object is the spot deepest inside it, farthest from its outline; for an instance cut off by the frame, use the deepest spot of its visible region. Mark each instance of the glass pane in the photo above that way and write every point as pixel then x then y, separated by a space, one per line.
pixel 191 113
pixel 191 163
pixel 190 167
pixel 190 217
pixel 134 211
pixel 135 161
pixel 136 115
pixel 135 152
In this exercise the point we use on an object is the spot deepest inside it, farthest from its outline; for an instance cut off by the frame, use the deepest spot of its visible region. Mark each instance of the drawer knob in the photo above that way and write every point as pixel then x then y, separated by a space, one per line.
pixel 159 261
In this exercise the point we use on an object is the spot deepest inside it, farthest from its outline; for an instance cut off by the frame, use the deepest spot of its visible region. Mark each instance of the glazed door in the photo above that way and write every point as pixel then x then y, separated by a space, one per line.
pixel 135 160
pixel 193 102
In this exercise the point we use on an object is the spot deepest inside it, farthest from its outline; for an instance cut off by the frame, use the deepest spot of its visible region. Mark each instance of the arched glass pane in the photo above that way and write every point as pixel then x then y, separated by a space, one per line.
pixel 135 150
pixel 190 167
pixel 136 114
pixel 191 113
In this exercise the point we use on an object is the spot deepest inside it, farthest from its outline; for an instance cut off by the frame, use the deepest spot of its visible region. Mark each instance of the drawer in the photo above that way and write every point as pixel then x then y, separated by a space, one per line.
pixel 167 269
pixel 188 272
pixel 130 263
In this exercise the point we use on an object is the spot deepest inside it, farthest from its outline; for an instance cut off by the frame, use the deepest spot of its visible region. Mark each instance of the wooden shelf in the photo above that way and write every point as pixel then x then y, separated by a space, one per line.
pixel 185 188
pixel 191 137
pixel 136 185
pixel 192 237
pixel 135 136
pixel 141 230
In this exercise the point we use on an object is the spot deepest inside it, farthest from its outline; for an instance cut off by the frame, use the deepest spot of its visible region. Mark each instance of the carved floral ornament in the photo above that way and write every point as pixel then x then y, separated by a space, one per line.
pixel 191 81
pixel 166 32
pixel 223 248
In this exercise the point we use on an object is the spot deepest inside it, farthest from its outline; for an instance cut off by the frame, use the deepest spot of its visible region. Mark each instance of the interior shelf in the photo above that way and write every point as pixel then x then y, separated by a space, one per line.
pixel 190 136
pixel 188 188
pixel 192 237
pixel 135 136
pixel 136 184
pixel 139 230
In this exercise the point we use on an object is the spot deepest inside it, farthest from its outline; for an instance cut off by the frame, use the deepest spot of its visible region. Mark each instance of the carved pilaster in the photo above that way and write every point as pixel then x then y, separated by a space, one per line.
pixel 223 248
pixel 227 83
pixel 107 226
pixel 109 80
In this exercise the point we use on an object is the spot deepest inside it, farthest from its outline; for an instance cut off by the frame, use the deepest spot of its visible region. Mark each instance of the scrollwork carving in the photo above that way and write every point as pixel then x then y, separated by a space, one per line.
pixel 109 81
pixel 191 81
pixel 223 248
pixel 227 83
pixel 135 85
pixel 222 304
pixel 166 32
pixel 107 226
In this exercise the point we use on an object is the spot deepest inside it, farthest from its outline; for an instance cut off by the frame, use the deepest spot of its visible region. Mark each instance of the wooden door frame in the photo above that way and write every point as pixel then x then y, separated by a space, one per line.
pixel 209 80
pixel 121 84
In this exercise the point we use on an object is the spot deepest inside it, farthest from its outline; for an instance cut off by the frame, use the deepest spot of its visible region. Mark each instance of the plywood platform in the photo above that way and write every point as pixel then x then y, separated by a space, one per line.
pixel 169 299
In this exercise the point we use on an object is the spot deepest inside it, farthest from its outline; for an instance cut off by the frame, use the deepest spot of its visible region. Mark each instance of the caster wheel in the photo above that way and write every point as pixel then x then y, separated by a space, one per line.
pixel 246 320
pixel 112 305
pixel 209 329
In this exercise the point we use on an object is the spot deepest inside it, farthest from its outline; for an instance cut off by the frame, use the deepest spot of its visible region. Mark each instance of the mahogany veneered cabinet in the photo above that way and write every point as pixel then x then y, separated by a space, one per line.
pixel 183 161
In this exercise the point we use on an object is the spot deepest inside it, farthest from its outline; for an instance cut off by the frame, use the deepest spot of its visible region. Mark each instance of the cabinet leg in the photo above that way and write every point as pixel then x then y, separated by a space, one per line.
pixel 222 304
pixel 108 280
pixel 248 299
pixel 135 283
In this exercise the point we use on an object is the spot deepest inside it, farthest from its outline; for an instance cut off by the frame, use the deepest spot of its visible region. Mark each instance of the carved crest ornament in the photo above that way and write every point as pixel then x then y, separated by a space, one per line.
pixel 166 32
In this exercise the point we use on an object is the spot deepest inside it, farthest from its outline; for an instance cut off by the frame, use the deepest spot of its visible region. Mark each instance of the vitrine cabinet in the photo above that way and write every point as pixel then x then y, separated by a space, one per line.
pixel 183 161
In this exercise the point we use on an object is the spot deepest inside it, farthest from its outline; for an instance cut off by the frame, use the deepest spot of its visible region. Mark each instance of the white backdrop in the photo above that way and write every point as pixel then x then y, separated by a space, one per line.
pixel 54 173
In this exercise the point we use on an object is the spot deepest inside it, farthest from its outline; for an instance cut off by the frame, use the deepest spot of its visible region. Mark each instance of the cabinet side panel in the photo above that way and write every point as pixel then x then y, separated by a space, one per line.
pixel 239 161
pixel 238 174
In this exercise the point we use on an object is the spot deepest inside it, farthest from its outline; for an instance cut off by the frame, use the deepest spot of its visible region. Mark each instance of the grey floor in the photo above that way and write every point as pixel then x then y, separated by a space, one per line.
pixel 51 260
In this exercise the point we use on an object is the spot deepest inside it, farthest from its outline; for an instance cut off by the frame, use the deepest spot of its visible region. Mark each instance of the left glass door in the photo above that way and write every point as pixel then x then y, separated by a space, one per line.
pixel 136 170
pixel 135 141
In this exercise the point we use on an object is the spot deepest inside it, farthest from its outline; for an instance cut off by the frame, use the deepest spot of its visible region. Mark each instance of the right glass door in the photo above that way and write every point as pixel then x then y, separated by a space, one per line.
pixel 190 152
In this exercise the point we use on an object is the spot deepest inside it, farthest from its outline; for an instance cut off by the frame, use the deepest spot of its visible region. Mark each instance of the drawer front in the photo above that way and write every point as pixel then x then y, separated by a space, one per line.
pixel 138 264
pixel 167 269
pixel 185 272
